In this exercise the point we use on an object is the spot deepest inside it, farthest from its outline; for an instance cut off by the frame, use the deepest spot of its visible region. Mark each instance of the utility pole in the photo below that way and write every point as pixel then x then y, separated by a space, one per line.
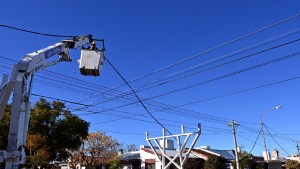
pixel 265 143
pixel 263 133
pixel 298 148
pixel 233 124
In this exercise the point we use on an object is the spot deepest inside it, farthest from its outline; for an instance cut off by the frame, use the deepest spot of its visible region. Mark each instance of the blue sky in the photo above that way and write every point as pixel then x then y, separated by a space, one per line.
pixel 143 36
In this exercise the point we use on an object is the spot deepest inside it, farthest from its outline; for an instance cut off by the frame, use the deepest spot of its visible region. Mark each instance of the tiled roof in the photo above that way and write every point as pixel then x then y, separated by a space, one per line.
pixel 227 154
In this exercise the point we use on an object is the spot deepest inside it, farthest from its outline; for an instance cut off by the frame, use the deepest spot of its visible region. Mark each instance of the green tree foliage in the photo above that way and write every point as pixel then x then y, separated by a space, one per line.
pixel 215 162
pixel 38 151
pixel 246 161
pixel 291 164
pixel 4 125
pixel 52 131
pixel 114 163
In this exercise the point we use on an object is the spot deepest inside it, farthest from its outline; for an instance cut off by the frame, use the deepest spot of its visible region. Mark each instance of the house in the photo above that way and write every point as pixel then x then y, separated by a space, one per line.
pixel 130 160
pixel 145 158
pixel 204 152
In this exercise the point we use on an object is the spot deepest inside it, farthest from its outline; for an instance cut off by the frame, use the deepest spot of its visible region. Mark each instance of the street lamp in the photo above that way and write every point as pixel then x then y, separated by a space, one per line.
pixel 262 129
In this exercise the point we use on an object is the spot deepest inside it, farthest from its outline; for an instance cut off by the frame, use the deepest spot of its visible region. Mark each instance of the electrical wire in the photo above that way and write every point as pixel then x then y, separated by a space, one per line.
pixel 186 104
pixel 97 39
pixel 158 82
pixel 214 48
pixel 176 126
pixel 136 95
pixel 204 114
pixel 180 105
pixel 284 136
pixel 290 42
pixel 224 95
pixel 226 56
pixel 255 142
pixel 246 138
pixel 217 78
pixel 276 141
pixel 37 33
pixel 285 20
pixel 214 67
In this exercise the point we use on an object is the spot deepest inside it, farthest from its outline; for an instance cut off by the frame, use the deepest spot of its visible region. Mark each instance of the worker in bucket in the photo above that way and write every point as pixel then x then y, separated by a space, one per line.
pixel 93 46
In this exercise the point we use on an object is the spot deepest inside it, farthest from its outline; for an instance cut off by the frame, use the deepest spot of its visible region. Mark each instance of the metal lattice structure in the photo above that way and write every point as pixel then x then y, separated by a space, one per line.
pixel 183 152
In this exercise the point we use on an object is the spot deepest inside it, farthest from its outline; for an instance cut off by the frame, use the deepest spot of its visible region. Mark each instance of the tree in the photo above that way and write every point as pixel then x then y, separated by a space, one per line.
pixel 291 164
pixel 75 158
pixel 52 131
pixel 38 151
pixel 131 147
pixel 97 149
pixel 215 162
pixel 4 126
pixel 246 161
pixel 114 163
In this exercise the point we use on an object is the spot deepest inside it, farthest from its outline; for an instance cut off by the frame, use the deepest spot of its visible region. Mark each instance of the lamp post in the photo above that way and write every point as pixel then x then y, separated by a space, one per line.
pixel 262 129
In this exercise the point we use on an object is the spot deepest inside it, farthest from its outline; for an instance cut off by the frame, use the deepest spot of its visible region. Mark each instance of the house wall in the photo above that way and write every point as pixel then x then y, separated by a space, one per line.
pixel 146 157
pixel 275 165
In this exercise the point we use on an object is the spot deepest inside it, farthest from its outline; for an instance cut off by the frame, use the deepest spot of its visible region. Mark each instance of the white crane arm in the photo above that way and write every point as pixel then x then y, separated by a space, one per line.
pixel 22 72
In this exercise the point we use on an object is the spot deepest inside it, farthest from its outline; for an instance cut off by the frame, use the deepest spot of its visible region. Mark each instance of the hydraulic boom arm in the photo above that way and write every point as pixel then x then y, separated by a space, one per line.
pixel 20 83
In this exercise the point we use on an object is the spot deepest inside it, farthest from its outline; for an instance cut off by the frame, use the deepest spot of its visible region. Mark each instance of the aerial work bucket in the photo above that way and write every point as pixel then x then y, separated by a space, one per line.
pixel 91 62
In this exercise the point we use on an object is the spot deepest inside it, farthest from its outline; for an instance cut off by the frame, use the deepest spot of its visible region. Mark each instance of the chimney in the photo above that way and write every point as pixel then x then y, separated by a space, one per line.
pixel 169 144
pixel 275 154
pixel 205 147
pixel 265 154
pixel 120 152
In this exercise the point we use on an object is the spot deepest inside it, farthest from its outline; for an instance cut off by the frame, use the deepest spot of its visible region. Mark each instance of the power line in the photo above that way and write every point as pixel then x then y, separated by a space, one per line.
pixel 226 56
pixel 168 125
pixel 223 64
pixel 203 114
pixel 214 48
pixel 288 138
pixel 217 78
pixel 136 119
pixel 136 95
pixel 227 94
pixel 276 141
pixel 62 100
pixel 255 141
pixel 8 59
pixel 280 136
pixel 154 83
pixel 202 100
pixel 276 46
pixel 240 91
pixel 182 105
pixel 47 34
pixel 159 83
pixel 37 33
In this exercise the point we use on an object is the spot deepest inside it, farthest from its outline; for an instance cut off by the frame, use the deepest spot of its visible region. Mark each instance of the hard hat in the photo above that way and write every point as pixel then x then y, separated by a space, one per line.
pixel 93 43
